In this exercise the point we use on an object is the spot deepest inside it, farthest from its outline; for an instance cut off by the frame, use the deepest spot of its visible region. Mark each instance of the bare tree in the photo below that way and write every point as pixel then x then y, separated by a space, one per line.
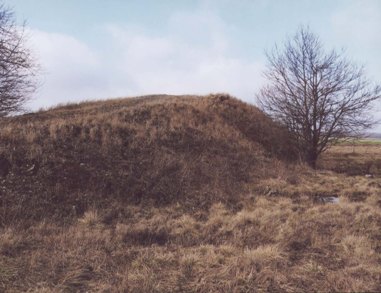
pixel 17 67
pixel 320 96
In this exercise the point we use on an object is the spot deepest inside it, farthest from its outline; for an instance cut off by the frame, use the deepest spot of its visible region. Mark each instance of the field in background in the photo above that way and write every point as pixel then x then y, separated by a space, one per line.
pixel 360 157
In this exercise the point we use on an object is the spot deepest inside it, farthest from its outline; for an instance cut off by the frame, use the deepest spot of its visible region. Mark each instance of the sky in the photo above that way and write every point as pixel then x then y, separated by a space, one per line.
pixel 98 49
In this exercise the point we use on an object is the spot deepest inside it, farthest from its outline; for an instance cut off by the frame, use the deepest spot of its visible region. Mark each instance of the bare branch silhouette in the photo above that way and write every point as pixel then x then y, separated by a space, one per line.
pixel 17 67
pixel 320 96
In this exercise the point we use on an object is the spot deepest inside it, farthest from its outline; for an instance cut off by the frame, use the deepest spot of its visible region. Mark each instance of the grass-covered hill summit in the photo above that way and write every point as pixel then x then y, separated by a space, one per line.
pixel 154 149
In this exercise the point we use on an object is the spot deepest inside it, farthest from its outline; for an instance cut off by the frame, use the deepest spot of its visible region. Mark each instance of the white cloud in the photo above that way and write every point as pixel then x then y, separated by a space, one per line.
pixel 69 68
pixel 193 56
pixel 177 64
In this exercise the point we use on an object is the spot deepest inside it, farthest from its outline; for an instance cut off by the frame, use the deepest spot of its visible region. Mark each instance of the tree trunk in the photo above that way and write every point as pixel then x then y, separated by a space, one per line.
pixel 311 158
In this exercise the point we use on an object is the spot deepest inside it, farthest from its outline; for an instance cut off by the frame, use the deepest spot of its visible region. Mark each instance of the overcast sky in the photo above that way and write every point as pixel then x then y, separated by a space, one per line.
pixel 102 49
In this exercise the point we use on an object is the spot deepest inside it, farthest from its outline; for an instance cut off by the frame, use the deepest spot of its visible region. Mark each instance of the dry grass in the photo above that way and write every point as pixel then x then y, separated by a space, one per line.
pixel 356 159
pixel 149 150
pixel 273 233
pixel 274 243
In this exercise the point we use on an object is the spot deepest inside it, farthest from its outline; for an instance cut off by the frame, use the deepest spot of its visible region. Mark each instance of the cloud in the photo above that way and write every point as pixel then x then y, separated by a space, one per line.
pixel 193 55
pixel 69 68
pixel 175 64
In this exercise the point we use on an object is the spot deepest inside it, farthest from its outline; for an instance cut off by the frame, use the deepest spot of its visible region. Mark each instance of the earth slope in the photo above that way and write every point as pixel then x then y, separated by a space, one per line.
pixel 161 149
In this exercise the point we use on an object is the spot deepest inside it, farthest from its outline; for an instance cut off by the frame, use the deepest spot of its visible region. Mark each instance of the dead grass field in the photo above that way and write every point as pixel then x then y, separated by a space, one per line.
pixel 277 235
pixel 360 158
pixel 282 238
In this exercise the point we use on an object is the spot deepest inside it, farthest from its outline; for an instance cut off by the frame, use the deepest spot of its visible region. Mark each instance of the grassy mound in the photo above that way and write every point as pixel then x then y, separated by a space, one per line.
pixel 156 149
pixel 178 194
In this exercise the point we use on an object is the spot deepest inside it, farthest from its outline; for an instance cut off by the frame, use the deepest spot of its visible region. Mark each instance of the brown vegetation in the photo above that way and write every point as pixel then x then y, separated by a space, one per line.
pixel 158 149
pixel 356 158
pixel 283 242
pixel 80 213
pixel 321 96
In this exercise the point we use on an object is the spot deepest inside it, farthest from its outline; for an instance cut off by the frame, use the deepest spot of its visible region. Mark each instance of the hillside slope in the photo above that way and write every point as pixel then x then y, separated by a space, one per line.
pixel 177 194
pixel 154 149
